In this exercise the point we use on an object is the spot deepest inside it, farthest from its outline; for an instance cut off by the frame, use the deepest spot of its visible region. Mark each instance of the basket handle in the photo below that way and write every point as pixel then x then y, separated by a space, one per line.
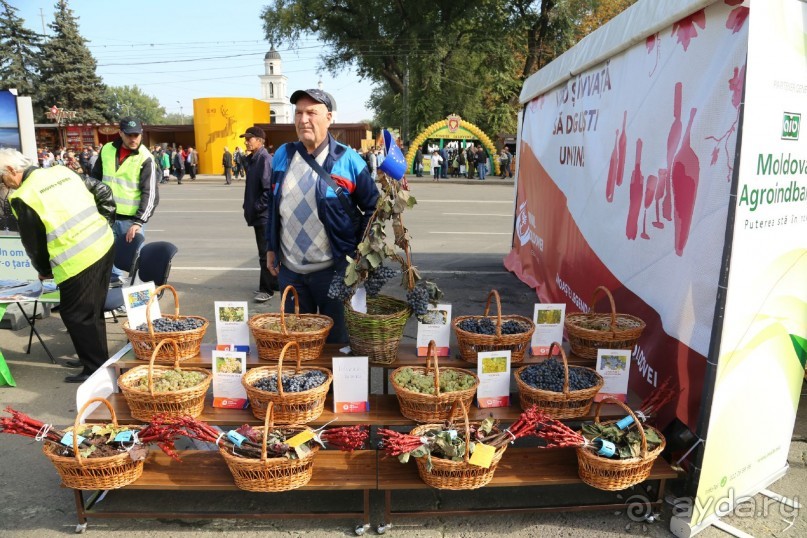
pixel 610 299
pixel 494 293
pixel 467 432
pixel 636 421
pixel 78 417
pixel 280 363
pixel 268 422
pixel 154 356
pixel 565 366
pixel 155 296
pixel 432 353
pixel 283 328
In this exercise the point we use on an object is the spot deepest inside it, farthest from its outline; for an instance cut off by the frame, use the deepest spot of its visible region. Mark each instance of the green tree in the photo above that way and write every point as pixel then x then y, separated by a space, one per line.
pixel 68 72
pixel 131 101
pixel 18 52
pixel 446 56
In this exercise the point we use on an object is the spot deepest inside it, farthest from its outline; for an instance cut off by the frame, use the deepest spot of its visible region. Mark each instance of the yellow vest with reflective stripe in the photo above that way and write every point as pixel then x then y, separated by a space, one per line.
pixel 125 181
pixel 77 235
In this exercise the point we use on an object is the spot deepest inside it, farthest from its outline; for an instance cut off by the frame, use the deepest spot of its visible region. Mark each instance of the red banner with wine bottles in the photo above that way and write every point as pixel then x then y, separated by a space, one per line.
pixel 624 180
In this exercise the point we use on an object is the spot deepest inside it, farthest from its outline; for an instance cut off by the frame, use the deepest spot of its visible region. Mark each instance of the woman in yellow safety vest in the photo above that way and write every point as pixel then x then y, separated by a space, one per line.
pixel 65 229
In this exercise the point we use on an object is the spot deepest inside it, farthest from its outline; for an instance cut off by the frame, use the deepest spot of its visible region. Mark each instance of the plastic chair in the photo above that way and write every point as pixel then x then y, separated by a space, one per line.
pixel 153 264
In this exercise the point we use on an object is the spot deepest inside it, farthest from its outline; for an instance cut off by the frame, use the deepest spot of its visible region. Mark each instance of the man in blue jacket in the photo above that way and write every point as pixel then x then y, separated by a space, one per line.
pixel 257 193
pixel 323 197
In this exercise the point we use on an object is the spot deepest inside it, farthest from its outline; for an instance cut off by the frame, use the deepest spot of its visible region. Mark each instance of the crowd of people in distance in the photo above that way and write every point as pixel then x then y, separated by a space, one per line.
pixel 456 162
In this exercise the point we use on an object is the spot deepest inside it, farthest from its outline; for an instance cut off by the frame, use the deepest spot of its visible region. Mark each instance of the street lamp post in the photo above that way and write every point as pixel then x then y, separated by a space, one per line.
pixel 181 115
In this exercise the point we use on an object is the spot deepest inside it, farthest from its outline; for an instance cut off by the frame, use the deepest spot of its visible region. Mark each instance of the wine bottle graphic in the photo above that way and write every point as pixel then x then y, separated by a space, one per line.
pixel 636 192
pixel 686 170
pixel 612 166
pixel 623 147
pixel 673 138
pixel 649 195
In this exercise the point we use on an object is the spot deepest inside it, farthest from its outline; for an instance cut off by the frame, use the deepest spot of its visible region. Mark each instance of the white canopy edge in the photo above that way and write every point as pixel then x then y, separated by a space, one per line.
pixel 632 26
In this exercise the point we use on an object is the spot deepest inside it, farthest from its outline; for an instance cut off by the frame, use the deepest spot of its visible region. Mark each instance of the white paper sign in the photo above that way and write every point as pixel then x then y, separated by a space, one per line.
pixel 228 367
pixel 359 300
pixel 614 366
pixel 136 299
pixel 548 319
pixel 231 322
pixel 493 369
pixel 435 325
pixel 351 384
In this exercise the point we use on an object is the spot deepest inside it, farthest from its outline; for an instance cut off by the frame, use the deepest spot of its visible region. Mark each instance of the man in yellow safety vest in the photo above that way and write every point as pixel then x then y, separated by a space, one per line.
pixel 128 168
pixel 65 229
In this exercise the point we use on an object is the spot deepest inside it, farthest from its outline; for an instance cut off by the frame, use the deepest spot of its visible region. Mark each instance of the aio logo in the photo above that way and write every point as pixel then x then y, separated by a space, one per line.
pixel 791 121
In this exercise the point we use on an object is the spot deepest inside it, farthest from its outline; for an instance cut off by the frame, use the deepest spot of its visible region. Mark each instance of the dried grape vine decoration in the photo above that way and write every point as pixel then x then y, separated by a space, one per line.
pixel 368 267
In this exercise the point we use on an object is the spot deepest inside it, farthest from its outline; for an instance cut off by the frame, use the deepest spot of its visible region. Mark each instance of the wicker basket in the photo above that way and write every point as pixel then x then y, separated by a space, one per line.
pixel 455 475
pixel 270 474
pixel 271 342
pixel 145 404
pixel 560 405
pixel 623 330
pixel 144 342
pixel 289 407
pixel 472 343
pixel 615 475
pixel 431 407
pixel 377 333
pixel 111 472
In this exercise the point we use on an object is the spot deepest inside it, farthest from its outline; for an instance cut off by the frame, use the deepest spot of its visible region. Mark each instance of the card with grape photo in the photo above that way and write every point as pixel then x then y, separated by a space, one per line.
pixel 228 367
pixel 435 325
pixel 548 319
pixel 614 367
pixel 231 322
pixel 135 300
pixel 493 369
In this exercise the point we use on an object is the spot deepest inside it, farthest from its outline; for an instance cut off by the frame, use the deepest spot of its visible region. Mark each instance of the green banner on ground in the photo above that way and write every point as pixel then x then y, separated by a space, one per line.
pixel 5 374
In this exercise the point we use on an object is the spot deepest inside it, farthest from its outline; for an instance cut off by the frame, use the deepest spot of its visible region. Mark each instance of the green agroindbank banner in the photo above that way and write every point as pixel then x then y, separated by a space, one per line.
pixel 764 338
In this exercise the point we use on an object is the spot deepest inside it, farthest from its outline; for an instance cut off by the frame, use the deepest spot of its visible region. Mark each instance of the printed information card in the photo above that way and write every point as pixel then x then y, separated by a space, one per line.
pixel 228 367
pixel 351 384
pixel 136 300
pixel 548 319
pixel 614 367
pixel 231 323
pixel 435 325
pixel 493 369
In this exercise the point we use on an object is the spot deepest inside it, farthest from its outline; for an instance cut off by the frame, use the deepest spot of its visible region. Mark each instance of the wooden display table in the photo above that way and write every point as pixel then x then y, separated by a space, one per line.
pixel 203 470
pixel 518 467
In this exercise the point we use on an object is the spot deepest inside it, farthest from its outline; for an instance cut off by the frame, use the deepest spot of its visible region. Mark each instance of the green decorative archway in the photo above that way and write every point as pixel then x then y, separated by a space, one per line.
pixel 452 128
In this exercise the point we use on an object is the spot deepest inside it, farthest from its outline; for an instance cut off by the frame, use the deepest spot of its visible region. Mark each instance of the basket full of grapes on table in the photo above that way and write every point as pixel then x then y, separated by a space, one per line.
pixel 297 394
pixel 477 334
pixel 187 331
pixel 557 389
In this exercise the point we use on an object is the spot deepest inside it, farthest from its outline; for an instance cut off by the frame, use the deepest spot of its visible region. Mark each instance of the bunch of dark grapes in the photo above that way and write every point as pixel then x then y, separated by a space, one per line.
pixel 487 326
pixel 292 383
pixel 168 325
pixel 377 278
pixel 548 375
pixel 418 299
pixel 338 290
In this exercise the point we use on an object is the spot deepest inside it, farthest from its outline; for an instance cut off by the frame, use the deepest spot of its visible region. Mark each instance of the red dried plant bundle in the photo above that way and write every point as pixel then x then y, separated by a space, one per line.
pixel 524 427
pixel 558 435
pixel 396 443
pixel 21 424
pixel 346 438
pixel 658 399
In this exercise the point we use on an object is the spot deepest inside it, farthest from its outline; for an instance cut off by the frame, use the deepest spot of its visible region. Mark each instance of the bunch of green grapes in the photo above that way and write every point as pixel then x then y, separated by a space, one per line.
pixel 172 381
pixel 450 381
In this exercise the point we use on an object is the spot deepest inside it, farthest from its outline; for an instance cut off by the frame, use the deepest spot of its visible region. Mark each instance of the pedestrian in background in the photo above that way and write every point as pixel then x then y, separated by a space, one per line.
pixel 192 162
pixel 179 164
pixel 227 162
pixel 437 165
pixel 257 193
pixel 238 161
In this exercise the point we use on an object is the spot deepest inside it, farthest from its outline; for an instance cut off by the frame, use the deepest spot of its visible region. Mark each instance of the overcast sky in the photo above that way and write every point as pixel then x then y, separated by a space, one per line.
pixel 179 51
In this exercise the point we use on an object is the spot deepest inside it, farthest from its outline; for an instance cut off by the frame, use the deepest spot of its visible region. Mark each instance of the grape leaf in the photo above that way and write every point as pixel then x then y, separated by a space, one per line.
pixel 364 247
pixel 374 259
pixel 411 201
pixel 351 275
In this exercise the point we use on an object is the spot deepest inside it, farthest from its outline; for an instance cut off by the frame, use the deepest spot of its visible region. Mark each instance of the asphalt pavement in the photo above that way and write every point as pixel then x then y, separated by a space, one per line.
pixel 461 230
